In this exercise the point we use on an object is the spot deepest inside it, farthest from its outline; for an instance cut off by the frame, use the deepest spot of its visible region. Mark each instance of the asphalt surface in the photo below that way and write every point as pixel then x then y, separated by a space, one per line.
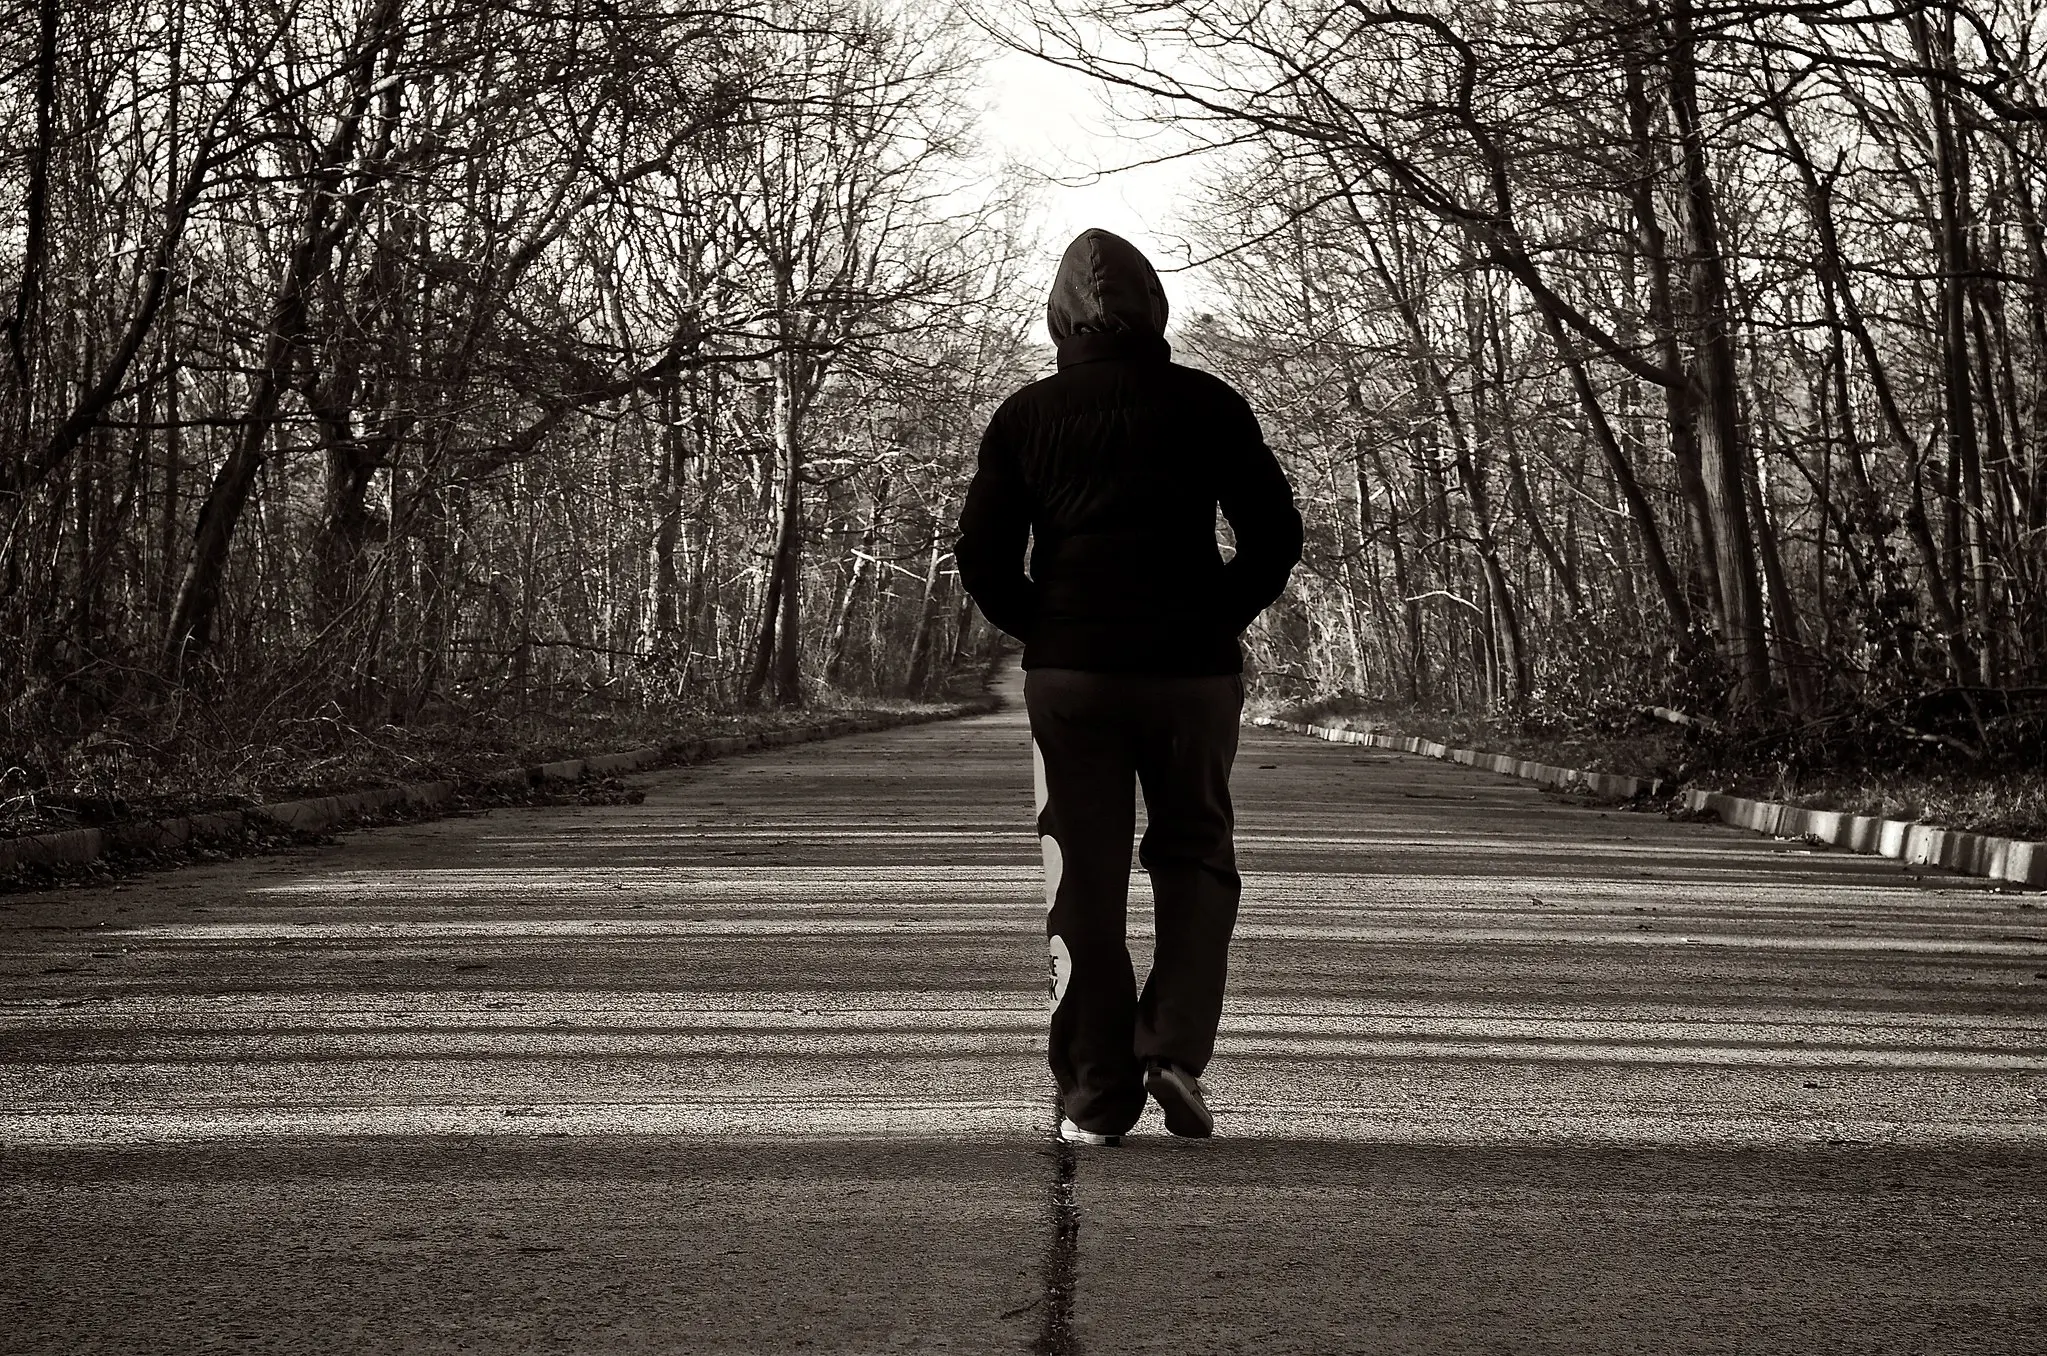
pixel 756 1066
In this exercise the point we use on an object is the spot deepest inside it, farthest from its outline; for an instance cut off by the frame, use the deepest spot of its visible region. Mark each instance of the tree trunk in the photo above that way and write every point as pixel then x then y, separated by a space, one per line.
pixel 199 591
pixel 778 652
pixel 1627 485
pixel 1935 50
pixel 1524 502
pixel 842 618
pixel 918 675
pixel 27 312
pixel 1416 676
pixel 1712 384
pixel 1844 313
pixel 671 456
pixel 1680 415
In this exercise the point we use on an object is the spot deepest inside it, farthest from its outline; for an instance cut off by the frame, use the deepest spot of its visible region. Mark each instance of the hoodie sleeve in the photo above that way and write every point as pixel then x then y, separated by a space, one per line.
pixel 995 527
pixel 1259 504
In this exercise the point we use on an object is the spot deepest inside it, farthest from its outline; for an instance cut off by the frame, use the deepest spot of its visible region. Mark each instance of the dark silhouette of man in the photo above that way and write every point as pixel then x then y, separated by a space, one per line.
pixel 1109 473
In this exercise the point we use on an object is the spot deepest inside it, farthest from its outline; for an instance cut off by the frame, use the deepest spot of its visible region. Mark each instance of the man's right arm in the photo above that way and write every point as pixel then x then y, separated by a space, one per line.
pixel 995 527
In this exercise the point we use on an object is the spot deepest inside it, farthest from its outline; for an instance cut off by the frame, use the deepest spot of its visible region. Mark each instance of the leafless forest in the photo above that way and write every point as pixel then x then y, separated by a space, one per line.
pixel 1636 350
pixel 371 356
pixel 380 357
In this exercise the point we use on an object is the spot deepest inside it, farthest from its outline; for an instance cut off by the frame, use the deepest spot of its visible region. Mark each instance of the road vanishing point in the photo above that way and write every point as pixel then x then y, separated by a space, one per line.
pixel 757 1066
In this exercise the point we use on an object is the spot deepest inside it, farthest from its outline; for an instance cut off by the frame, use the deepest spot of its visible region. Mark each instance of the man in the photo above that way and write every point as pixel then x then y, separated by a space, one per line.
pixel 1110 472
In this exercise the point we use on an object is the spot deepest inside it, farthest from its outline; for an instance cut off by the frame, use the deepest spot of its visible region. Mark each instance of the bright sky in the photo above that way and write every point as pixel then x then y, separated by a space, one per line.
pixel 1055 123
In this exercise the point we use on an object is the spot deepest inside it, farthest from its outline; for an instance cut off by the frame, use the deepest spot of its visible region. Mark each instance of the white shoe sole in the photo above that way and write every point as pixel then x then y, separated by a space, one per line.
pixel 1073 1134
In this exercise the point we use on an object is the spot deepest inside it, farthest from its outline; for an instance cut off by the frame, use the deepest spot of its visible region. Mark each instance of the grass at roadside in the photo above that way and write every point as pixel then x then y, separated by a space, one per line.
pixel 2008 801
pixel 207 763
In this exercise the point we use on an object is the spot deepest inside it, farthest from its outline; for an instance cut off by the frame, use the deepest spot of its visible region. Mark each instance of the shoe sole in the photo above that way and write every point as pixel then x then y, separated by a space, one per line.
pixel 1186 1116
pixel 1086 1138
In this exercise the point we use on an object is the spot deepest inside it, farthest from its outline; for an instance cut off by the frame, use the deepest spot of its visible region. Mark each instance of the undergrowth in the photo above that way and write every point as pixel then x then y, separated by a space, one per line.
pixel 1962 759
pixel 202 754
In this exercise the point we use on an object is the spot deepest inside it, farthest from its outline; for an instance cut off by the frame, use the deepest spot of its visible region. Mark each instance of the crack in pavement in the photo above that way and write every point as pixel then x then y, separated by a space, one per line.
pixel 1056 1335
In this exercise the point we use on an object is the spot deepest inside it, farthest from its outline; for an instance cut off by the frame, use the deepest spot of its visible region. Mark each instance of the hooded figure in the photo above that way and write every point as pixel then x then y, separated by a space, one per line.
pixel 1105 285
pixel 1110 473
pixel 1113 470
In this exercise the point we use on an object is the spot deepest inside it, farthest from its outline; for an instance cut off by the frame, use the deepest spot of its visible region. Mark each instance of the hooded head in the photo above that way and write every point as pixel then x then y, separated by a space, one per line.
pixel 1105 285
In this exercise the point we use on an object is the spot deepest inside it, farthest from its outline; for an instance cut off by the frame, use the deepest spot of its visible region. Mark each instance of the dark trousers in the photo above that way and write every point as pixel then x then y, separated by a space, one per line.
pixel 1093 734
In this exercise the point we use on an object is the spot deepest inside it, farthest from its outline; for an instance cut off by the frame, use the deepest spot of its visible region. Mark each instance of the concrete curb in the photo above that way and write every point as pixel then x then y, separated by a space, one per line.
pixel 80 846
pixel 1971 854
pixel 1608 784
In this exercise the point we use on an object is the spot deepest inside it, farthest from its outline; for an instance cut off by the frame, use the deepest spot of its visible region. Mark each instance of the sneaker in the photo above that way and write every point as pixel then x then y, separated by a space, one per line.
pixel 1073 1134
pixel 1178 1094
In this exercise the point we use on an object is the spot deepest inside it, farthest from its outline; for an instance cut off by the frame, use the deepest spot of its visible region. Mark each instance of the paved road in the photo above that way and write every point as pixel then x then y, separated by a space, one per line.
pixel 755 1066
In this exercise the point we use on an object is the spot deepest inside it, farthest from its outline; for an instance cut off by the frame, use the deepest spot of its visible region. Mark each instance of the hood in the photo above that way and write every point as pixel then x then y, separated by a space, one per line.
pixel 1105 285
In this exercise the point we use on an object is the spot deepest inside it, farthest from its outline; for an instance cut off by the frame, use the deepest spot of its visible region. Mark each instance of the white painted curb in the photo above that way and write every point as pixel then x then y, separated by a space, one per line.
pixel 1972 854
pixel 1611 785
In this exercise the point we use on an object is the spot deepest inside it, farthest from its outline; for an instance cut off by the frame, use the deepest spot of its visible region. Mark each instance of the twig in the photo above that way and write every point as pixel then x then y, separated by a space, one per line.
pixel 1676 717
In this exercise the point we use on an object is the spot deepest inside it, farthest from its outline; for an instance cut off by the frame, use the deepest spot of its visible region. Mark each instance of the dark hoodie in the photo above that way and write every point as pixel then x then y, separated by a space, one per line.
pixel 1111 471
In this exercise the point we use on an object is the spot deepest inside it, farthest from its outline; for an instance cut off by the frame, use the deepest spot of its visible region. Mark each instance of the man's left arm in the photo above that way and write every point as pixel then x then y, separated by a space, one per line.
pixel 1259 504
